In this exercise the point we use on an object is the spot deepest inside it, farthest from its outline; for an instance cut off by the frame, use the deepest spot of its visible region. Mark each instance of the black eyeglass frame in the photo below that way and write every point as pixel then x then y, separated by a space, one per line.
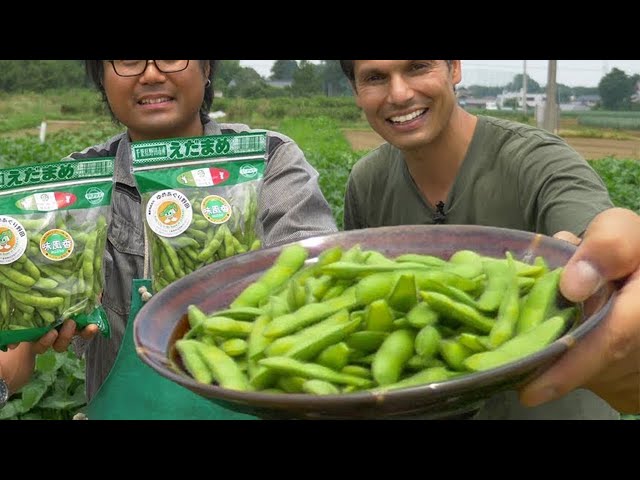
pixel 155 62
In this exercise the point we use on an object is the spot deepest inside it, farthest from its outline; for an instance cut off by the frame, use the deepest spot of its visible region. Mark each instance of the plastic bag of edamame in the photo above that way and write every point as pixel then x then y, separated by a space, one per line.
pixel 53 231
pixel 199 199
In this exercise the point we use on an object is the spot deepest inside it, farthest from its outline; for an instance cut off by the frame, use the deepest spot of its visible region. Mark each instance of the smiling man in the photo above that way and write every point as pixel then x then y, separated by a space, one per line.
pixel 443 165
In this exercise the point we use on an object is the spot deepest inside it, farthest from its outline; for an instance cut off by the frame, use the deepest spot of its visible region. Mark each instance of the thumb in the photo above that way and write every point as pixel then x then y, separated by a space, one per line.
pixel 610 250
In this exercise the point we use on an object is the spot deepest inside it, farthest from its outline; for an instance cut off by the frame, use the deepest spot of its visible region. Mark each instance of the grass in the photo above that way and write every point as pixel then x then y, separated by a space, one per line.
pixel 328 151
pixel 22 111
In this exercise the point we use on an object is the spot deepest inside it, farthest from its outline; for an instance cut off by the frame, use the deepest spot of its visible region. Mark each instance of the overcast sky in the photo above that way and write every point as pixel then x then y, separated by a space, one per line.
pixel 574 73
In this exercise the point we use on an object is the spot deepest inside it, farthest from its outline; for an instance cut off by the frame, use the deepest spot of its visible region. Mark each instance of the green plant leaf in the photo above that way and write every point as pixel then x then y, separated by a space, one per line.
pixel 50 361
pixel 11 410
pixel 61 401
pixel 32 393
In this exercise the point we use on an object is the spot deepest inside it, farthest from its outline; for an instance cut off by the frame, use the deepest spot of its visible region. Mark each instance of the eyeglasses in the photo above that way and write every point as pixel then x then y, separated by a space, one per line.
pixel 133 68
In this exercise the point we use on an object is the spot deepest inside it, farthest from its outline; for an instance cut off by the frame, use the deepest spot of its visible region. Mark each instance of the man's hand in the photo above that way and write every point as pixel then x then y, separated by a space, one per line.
pixel 607 360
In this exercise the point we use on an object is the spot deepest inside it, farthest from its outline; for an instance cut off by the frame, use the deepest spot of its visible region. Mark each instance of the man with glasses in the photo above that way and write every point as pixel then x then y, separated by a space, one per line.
pixel 156 99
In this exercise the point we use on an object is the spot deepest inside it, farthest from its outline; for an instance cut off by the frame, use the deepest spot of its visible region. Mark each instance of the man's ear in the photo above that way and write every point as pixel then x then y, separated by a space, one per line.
pixel 456 72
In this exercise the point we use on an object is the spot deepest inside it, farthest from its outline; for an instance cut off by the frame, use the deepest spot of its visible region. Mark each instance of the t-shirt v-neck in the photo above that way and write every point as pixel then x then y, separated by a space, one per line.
pixel 461 181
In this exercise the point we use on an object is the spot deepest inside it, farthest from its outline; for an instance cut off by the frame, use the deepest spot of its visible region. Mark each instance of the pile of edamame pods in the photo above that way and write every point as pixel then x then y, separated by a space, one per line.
pixel 203 242
pixel 36 292
pixel 357 320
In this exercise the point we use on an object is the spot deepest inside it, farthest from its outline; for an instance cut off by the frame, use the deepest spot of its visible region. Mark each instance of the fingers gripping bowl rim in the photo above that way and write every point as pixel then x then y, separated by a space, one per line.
pixel 162 321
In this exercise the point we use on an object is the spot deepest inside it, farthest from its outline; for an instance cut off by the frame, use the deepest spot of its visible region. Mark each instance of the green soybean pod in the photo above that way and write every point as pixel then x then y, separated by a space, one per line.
pixel 404 294
pixel 499 277
pixel 422 315
pixel 88 257
pixel 417 363
pixel 257 342
pixel 540 300
pixel 11 285
pixel 167 272
pixel 450 291
pixel 172 257
pixel 307 346
pixel 457 311
pixel 309 314
pixel 193 361
pixel 14 275
pixel 195 316
pixel 288 262
pixel 392 356
pixel 454 353
pixel 290 366
pixel 213 245
pixel 424 377
pixel 226 327
pixel 427 342
pixel 375 287
pixel 4 303
pixel 366 340
pixel 508 312
pixel 319 387
pixel 291 384
pixel 378 316
pixel 424 259
pixel 234 347
pixel 224 369
pixel 335 356
pixel 35 301
pixel 357 371
pixel 519 346
pixel 30 268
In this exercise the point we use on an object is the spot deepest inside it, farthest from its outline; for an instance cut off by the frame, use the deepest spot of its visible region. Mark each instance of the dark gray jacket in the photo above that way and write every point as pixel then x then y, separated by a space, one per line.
pixel 291 206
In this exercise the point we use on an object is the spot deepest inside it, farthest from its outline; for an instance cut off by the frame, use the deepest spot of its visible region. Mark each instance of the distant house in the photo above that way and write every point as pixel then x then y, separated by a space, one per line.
pixel 588 100
pixel 279 83
pixel 533 99
pixel 635 98
pixel 482 103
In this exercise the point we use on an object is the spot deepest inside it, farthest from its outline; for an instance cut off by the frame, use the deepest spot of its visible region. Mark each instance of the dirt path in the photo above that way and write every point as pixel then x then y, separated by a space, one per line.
pixel 590 148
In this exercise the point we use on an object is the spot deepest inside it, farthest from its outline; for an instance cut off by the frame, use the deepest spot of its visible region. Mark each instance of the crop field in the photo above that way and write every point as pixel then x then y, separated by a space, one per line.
pixel 332 145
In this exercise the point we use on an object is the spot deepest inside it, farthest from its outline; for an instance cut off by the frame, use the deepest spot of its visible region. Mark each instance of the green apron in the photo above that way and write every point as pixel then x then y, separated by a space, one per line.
pixel 134 391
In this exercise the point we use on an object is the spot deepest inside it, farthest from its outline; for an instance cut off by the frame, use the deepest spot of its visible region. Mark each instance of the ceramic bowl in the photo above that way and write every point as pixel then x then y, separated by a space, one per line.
pixel 163 320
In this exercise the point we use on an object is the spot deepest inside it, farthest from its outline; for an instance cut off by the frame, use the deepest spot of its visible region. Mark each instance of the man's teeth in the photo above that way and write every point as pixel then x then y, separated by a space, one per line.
pixel 150 101
pixel 408 117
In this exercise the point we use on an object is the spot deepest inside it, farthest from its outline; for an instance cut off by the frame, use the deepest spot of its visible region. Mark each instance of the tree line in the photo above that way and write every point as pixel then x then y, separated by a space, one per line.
pixel 293 78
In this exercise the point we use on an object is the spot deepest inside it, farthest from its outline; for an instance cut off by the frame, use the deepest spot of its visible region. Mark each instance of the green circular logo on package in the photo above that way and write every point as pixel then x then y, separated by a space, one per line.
pixel 169 213
pixel 56 245
pixel 13 240
pixel 94 196
pixel 216 209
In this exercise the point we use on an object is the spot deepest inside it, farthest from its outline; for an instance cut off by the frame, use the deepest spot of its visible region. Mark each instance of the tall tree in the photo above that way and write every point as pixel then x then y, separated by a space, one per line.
pixel 307 80
pixel 516 84
pixel 616 89
pixel 227 71
pixel 564 93
pixel 283 70
pixel 334 81
pixel 39 75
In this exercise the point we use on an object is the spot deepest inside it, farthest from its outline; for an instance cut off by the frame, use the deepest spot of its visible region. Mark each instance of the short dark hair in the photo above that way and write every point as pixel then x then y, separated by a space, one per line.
pixel 348 68
pixel 95 72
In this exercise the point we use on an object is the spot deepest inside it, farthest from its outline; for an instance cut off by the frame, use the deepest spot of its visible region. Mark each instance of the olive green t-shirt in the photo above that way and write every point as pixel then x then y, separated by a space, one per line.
pixel 513 176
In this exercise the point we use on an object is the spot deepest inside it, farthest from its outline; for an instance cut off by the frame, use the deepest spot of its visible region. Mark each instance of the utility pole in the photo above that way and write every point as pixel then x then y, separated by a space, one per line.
pixel 524 90
pixel 551 105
